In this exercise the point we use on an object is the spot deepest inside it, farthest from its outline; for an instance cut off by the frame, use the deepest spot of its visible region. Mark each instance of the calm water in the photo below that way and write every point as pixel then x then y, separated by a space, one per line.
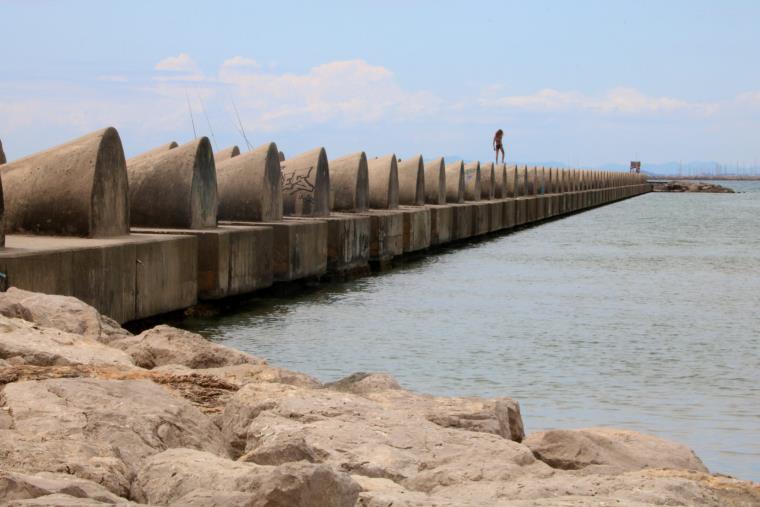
pixel 643 314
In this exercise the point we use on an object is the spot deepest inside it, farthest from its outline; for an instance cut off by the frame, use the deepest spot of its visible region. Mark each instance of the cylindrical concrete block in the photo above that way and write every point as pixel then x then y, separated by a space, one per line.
pixel 306 184
pixel 174 189
pixel 512 186
pixel 435 181
pixel 76 189
pixel 226 154
pixel 349 183
pixel 500 181
pixel 2 154
pixel 383 182
pixel 155 151
pixel 472 189
pixel 487 181
pixel 250 186
pixel 455 182
pixel 411 181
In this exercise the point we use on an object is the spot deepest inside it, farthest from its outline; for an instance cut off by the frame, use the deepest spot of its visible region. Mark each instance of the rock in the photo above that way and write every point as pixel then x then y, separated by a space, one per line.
pixel 685 186
pixel 22 342
pixel 61 500
pixel 500 416
pixel 100 430
pixel 620 450
pixel 184 476
pixel 242 374
pixel 18 486
pixel 61 312
pixel 164 345
pixel 275 424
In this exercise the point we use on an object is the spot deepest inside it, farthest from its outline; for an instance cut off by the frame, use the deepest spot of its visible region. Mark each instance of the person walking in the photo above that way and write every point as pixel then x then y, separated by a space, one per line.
pixel 498 145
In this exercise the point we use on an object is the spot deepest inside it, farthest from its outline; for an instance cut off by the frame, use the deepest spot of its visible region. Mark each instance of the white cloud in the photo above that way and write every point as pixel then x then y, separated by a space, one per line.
pixel 180 63
pixel 749 99
pixel 114 78
pixel 241 61
pixel 617 100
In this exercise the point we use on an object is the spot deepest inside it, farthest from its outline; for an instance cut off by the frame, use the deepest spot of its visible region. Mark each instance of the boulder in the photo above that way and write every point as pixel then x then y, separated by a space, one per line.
pixel 96 429
pixel 17 486
pixel 61 312
pixel 164 345
pixel 22 342
pixel 500 416
pixel 187 477
pixel 248 373
pixel 616 449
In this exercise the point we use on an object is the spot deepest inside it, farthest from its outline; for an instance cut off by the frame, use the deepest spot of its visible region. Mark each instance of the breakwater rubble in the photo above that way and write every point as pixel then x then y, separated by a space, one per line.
pixel 690 186
pixel 93 415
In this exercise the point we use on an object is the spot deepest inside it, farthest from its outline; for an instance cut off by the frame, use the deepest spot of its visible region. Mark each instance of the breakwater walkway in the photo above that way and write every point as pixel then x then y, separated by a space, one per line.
pixel 160 231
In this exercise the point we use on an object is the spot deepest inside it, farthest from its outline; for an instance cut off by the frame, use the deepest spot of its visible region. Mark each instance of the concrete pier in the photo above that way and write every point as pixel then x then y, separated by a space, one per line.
pixel 435 181
pixel 411 181
pixel 386 235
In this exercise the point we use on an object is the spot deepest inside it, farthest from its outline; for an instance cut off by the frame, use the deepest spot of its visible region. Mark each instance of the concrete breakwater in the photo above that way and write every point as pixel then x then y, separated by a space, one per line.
pixel 178 224
pixel 93 415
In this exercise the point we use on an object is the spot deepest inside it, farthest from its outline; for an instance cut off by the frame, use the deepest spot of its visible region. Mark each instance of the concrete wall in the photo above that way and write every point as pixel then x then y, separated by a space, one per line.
pixel 383 182
pixel 175 188
pixel 455 182
pixel 76 189
pixel 472 190
pixel 435 181
pixel 411 181
pixel 306 184
pixel 349 183
pixel 250 186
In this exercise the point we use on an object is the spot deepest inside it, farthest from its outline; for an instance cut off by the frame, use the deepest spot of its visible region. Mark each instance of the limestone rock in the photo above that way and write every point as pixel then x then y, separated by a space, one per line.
pixel 98 429
pixel 186 477
pixel 620 450
pixel 22 342
pixel 164 345
pixel 242 374
pixel 17 486
pixel 61 312
pixel 500 416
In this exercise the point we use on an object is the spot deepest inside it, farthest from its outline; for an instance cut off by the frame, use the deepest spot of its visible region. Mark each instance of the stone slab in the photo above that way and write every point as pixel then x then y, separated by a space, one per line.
pixel 441 224
pixel 481 215
pixel 125 277
pixel 348 239
pixel 509 213
pixel 417 235
pixel 462 221
pixel 386 234
pixel 496 219
pixel 232 260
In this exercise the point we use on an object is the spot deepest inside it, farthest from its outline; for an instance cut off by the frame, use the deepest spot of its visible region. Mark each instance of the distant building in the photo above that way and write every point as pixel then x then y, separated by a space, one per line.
pixel 636 167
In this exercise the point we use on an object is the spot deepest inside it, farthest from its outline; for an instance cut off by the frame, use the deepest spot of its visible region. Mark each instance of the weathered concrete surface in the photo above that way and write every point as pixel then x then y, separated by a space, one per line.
pixel 411 181
pixel 455 182
pixel 383 182
pixel 232 260
pixel 496 217
pixel 512 185
pixel 386 234
pixel 521 210
pixel 158 150
pixel 348 240
pixel 417 227
pixel 228 153
pixel 250 186
pixel 306 184
pixel 435 181
pixel 126 278
pixel 463 220
pixel 500 181
pixel 481 216
pixel 349 183
pixel 3 160
pixel 441 223
pixel 76 189
pixel 174 188
pixel 487 180
pixel 472 186
pixel 510 209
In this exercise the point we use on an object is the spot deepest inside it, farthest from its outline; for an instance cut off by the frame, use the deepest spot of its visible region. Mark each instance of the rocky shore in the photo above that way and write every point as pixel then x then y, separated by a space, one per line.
pixel 92 415
pixel 690 186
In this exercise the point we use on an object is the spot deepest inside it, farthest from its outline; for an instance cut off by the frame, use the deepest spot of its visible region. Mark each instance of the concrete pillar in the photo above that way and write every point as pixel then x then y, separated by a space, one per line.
pixel 472 187
pixel 226 154
pixel 487 180
pixel 250 186
pixel 76 189
pixel 174 189
pixel 349 183
pixel 455 182
pixel 435 181
pixel 383 182
pixel 306 184
pixel 411 181
pixel 500 181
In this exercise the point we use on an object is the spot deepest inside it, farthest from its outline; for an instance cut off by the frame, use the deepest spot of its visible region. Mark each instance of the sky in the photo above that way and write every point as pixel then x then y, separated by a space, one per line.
pixel 583 83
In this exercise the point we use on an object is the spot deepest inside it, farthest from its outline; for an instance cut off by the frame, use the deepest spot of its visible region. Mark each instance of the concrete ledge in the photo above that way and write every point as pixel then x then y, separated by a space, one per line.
pixel 348 239
pixel 126 277
pixel 496 218
pixel 441 224
pixel 509 213
pixel 386 234
pixel 416 228
pixel 232 260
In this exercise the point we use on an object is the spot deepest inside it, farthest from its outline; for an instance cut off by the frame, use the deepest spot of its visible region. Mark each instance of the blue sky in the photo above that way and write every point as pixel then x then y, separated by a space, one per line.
pixel 584 82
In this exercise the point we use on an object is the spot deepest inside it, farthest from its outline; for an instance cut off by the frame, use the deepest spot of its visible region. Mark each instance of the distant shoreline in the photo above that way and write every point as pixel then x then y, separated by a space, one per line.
pixel 705 178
